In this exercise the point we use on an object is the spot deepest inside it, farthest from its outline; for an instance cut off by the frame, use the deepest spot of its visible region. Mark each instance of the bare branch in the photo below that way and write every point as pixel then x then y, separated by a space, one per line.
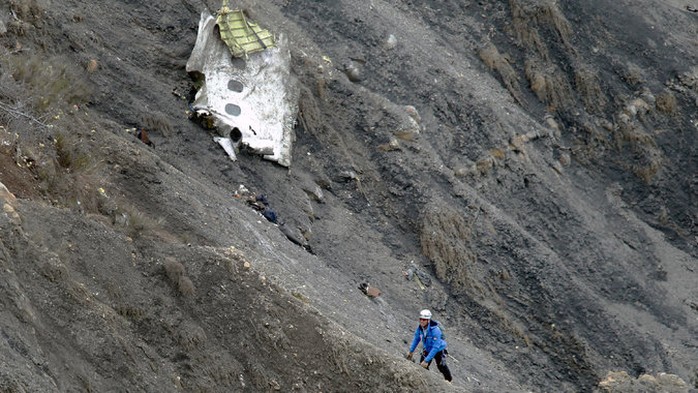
pixel 13 111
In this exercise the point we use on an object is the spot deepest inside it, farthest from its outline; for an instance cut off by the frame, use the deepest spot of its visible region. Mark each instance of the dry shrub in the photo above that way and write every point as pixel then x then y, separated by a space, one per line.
pixel 526 33
pixel 173 269
pixel 647 158
pixel 529 16
pixel 156 121
pixel 633 74
pixel 175 273
pixel 321 87
pixel 130 312
pixel 407 136
pixel 587 83
pixel 591 143
pixel 27 15
pixel 70 154
pixel 66 172
pixel 549 84
pixel 445 239
pixel 490 55
pixel 70 175
pixel 648 169
pixel 185 286
pixel 27 10
pixel 498 153
pixel 191 336
pixel 484 165
pixel 620 381
pixel 138 224
pixel 92 66
pixel 54 270
pixel 638 137
pixel 634 136
pixel 666 102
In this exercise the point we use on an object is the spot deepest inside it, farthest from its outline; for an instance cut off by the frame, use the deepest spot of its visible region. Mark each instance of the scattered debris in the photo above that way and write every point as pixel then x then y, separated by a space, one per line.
pixel 261 204
pixel 414 272
pixel 293 233
pixel 369 291
pixel 142 135
pixel 347 176
pixel 353 71
pixel 391 42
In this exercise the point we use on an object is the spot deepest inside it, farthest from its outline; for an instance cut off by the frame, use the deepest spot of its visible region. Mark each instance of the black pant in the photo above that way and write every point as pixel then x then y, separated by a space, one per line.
pixel 440 358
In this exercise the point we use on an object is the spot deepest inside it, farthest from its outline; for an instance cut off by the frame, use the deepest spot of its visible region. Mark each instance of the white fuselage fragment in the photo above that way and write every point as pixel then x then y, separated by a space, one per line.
pixel 255 95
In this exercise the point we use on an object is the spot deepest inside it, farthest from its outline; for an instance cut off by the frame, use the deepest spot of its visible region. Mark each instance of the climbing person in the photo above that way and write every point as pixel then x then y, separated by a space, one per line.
pixel 433 345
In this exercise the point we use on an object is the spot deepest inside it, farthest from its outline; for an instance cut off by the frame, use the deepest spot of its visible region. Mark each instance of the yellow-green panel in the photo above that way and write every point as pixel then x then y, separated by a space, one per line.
pixel 242 35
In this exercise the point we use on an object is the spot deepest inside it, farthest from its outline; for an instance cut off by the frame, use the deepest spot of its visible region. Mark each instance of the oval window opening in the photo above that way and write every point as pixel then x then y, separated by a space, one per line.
pixel 232 110
pixel 235 86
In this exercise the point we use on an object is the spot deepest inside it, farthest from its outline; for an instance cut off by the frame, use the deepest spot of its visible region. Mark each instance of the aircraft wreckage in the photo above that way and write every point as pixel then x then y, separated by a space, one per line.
pixel 245 89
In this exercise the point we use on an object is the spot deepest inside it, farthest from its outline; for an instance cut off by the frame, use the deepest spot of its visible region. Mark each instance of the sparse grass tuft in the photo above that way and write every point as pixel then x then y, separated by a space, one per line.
pixel 526 32
pixel 484 165
pixel 156 121
pixel 528 18
pixel 185 286
pixel 39 93
pixel 67 172
pixel 69 153
pixel 646 156
pixel 134 313
pixel 300 297
pixel 27 10
pixel 445 239
pixel 51 84
pixel 92 66
pixel 138 224
pixel 499 63
pixel 549 84
pixel 173 269
pixel 587 84
pixel 191 336
pixel 54 270
pixel 648 169
pixel 666 102
pixel 498 153
pixel 176 274
pixel 27 15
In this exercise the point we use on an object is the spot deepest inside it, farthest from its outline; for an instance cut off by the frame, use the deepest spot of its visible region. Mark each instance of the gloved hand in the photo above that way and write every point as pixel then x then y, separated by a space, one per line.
pixel 424 364
pixel 409 355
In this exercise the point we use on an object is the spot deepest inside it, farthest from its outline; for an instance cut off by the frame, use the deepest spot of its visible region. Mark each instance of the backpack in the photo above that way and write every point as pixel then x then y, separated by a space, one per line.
pixel 443 331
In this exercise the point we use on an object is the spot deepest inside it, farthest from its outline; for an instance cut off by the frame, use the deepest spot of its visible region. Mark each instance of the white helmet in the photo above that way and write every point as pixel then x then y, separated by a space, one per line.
pixel 425 314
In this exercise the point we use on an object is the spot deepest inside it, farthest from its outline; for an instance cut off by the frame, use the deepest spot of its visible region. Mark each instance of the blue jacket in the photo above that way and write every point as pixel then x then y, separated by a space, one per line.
pixel 432 342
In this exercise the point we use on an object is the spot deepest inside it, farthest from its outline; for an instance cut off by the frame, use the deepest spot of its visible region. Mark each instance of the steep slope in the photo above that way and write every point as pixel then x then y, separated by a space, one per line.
pixel 532 162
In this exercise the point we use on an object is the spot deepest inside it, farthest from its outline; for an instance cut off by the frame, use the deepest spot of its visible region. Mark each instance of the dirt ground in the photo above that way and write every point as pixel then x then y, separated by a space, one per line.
pixel 524 169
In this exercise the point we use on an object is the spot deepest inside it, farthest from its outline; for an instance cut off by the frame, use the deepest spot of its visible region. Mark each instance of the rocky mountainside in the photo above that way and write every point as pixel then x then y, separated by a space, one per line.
pixel 527 169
